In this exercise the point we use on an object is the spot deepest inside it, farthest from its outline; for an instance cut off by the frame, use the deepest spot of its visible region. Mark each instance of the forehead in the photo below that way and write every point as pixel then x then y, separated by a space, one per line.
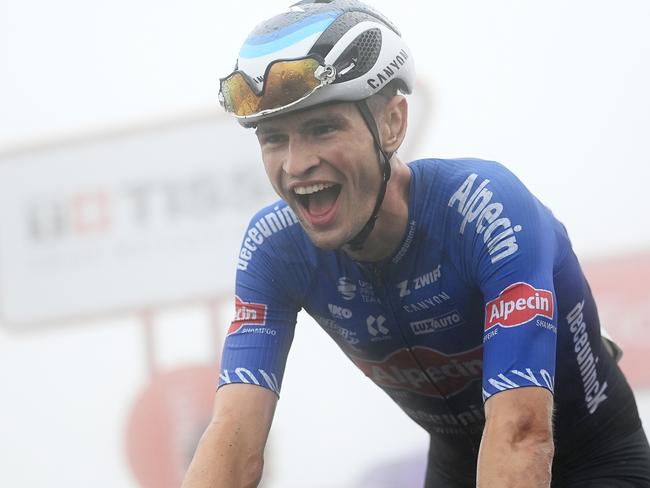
pixel 344 112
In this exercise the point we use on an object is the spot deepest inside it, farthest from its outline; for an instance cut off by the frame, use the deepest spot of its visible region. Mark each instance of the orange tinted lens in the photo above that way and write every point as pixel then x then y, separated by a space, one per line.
pixel 238 96
pixel 288 82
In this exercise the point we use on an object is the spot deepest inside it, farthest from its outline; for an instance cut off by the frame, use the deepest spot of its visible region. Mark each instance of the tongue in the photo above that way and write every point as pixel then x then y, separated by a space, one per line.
pixel 322 201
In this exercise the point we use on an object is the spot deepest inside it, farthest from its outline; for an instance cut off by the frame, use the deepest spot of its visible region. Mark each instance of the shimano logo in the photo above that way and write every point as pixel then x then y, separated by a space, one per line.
pixel 477 207
pixel 346 288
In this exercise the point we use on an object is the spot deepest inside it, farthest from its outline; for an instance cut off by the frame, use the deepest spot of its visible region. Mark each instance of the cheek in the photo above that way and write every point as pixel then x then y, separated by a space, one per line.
pixel 273 168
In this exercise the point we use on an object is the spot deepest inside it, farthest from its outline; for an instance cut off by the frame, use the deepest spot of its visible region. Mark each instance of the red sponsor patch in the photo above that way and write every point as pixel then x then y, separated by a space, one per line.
pixel 425 371
pixel 517 304
pixel 247 313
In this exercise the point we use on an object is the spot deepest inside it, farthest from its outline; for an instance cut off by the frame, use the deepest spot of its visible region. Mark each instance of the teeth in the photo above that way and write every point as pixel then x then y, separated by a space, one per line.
pixel 308 190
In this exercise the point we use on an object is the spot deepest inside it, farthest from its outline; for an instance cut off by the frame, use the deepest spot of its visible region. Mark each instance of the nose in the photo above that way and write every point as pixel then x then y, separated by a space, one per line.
pixel 300 157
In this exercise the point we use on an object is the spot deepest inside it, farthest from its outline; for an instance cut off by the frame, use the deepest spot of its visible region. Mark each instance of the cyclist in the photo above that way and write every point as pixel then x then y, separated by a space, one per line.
pixel 445 281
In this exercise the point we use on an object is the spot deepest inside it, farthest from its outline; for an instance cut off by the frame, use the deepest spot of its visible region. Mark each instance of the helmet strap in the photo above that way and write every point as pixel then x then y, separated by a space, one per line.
pixel 356 243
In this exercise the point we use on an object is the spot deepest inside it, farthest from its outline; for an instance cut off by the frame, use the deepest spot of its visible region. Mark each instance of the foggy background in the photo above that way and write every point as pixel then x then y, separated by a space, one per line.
pixel 124 193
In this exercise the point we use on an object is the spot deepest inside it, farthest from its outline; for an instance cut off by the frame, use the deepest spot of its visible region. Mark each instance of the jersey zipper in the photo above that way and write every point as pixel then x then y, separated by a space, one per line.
pixel 378 282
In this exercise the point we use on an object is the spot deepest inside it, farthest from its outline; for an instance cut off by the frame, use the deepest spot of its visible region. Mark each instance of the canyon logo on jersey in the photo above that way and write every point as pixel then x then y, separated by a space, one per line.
pixel 247 313
pixel 518 304
pixel 425 371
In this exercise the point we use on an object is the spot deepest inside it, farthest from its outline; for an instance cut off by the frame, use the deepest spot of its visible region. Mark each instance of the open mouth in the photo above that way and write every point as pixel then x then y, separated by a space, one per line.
pixel 318 199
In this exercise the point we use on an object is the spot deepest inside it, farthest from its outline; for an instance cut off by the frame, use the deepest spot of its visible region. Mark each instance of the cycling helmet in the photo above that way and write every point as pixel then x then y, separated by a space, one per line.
pixel 319 51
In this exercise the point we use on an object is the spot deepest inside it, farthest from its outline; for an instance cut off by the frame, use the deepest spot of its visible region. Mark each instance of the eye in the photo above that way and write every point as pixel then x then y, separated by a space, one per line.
pixel 323 129
pixel 272 139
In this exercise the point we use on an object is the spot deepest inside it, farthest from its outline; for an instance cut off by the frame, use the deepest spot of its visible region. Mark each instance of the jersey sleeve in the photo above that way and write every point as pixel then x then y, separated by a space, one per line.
pixel 509 244
pixel 266 303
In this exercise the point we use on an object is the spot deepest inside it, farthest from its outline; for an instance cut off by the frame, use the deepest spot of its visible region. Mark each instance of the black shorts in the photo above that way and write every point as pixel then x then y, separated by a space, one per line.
pixel 624 463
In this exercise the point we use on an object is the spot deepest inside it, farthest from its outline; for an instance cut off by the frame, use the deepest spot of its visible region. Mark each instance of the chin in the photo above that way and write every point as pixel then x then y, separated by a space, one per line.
pixel 325 243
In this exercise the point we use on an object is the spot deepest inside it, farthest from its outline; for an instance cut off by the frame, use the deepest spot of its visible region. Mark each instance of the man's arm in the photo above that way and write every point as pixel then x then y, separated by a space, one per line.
pixel 230 453
pixel 517 444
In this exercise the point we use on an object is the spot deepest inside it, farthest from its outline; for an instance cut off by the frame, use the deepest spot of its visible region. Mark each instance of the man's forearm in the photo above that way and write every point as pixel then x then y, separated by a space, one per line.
pixel 221 461
pixel 514 463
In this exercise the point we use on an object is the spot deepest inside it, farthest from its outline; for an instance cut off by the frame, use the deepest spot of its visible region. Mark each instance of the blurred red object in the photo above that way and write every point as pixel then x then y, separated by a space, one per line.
pixel 166 422
pixel 621 286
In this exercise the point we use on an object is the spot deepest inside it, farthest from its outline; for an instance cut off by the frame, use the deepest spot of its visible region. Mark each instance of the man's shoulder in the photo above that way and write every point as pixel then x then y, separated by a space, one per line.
pixel 442 180
pixel 438 183
pixel 454 169
pixel 275 232
pixel 472 205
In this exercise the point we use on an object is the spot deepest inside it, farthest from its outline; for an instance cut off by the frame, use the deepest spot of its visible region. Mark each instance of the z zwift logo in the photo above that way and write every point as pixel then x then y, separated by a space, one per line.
pixel 420 282
pixel 498 232
pixel 247 313
pixel 389 71
pixel 518 304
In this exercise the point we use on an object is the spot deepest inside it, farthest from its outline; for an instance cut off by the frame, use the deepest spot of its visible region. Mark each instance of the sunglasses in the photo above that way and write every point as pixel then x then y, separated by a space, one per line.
pixel 286 83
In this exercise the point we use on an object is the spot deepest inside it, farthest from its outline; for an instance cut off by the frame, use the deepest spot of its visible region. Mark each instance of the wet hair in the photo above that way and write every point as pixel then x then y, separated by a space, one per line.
pixel 379 100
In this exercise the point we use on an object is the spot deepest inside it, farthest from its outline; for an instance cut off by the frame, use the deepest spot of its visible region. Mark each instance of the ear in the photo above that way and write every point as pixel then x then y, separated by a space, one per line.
pixel 393 123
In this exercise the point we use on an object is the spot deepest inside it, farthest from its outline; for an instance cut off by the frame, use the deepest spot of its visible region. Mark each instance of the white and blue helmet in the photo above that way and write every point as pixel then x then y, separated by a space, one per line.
pixel 363 46
pixel 320 51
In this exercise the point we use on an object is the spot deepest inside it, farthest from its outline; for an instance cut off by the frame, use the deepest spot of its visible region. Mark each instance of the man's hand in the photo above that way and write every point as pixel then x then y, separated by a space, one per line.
pixel 230 453
pixel 517 444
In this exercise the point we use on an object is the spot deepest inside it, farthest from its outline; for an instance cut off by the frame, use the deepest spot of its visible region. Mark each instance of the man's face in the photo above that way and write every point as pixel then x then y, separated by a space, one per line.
pixel 323 163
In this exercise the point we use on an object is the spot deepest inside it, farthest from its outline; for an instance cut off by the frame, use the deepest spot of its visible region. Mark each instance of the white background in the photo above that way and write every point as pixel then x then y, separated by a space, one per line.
pixel 556 90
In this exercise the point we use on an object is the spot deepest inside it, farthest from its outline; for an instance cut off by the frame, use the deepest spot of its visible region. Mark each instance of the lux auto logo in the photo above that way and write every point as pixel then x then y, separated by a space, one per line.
pixel 425 371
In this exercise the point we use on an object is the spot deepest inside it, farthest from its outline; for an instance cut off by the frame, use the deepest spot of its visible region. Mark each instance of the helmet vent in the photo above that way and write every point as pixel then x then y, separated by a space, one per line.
pixel 364 51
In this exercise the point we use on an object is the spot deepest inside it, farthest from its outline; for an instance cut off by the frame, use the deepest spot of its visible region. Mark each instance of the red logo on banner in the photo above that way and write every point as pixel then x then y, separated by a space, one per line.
pixel 165 424
pixel 624 308
pixel 425 371
pixel 518 304
pixel 247 314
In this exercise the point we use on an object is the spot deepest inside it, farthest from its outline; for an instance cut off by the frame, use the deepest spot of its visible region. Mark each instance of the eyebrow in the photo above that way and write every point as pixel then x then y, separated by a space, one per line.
pixel 327 119
pixel 262 130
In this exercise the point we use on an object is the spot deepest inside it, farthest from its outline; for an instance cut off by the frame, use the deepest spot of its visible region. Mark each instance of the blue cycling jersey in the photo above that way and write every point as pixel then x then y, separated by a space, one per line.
pixel 483 295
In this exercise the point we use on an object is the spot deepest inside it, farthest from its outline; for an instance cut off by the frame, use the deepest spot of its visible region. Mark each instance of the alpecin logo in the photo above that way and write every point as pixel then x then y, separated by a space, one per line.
pixel 425 371
pixel 247 313
pixel 518 304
